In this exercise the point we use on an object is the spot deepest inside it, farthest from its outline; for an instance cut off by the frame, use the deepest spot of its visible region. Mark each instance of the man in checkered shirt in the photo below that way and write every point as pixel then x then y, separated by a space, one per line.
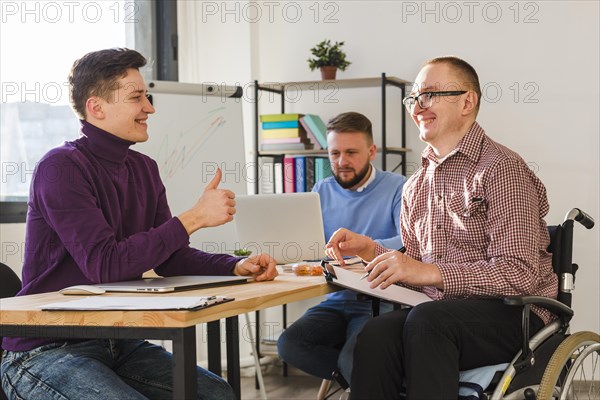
pixel 472 224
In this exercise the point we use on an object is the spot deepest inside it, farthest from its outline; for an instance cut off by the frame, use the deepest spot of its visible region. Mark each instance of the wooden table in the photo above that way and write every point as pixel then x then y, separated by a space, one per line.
pixel 21 316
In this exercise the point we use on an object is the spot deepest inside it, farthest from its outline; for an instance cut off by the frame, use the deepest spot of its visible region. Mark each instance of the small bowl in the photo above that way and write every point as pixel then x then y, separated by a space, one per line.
pixel 303 269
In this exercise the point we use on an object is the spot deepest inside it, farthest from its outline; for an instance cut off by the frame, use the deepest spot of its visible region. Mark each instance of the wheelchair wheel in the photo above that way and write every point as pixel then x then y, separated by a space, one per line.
pixel 573 372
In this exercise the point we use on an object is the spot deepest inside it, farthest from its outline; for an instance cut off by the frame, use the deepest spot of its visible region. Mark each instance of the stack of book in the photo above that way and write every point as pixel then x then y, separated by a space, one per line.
pixel 283 132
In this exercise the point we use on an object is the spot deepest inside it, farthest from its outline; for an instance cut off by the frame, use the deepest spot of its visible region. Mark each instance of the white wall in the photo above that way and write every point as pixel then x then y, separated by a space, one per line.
pixel 537 61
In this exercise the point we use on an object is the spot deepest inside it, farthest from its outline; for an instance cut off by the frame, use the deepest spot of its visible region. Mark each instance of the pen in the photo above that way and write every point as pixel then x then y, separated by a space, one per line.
pixel 401 250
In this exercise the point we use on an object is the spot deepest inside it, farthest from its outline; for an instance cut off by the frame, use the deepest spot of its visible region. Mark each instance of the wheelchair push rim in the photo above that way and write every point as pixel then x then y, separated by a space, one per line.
pixel 573 372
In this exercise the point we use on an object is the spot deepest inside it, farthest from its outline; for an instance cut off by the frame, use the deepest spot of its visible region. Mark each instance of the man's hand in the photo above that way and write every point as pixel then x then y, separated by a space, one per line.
pixel 262 266
pixel 215 207
pixel 344 242
pixel 394 266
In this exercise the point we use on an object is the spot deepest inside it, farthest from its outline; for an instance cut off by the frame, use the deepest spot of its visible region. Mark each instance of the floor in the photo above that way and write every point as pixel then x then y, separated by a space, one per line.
pixel 279 387
pixel 299 386
pixel 296 385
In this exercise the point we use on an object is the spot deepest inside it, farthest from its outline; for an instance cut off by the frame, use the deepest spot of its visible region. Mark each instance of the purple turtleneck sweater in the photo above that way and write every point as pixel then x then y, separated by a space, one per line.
pixel 97 213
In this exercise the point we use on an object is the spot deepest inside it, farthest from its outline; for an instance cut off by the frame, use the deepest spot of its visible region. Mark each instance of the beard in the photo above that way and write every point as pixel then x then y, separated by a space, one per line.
pixel 354 181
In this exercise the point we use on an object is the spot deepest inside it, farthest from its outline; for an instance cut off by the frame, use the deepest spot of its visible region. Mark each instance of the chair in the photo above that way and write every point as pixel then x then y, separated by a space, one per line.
pixel 553 363
pixel 11 284
pixel 9 287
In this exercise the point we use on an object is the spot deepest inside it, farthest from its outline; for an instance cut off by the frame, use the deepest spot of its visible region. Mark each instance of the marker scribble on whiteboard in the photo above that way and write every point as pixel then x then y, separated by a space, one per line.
pixel 177 150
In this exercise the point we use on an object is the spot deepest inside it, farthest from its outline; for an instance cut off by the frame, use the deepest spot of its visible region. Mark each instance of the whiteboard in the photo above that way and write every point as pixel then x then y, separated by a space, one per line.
pixel 196 129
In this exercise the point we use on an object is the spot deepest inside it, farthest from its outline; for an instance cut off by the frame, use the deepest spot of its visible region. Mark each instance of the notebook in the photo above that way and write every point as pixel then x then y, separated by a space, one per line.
pixel 287 226
pixel 172 283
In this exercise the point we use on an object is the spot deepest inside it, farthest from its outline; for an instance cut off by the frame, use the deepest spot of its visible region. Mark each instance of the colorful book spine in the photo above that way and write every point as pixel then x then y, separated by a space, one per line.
pixel 282 140
pixel 322 169
pixel 278 176
pixel 279 117
pixel 300 173
pixel 283 133
pixel 267 175
pixel 310 173
pixel 317 127
pixel 285 146
pixel 310 135
pixel 289 175
pixel 280 124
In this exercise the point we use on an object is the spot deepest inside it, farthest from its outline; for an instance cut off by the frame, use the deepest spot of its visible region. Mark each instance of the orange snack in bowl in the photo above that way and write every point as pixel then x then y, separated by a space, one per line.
pixel 307 270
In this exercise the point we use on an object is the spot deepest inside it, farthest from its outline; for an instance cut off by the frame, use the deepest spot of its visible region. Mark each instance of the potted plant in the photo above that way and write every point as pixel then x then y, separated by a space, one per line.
pixel 328 58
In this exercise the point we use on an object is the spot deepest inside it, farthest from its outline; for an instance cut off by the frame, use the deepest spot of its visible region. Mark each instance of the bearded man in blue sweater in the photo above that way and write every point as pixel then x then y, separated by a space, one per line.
pixel 97 213
pixel 360 196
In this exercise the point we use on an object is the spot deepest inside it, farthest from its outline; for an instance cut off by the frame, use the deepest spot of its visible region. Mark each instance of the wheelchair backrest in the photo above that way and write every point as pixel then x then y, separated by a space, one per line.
pixel 555 232
pixel 561 247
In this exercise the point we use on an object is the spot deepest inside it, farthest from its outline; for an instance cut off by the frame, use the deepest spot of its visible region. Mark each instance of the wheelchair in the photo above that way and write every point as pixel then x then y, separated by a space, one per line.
pixel 552 364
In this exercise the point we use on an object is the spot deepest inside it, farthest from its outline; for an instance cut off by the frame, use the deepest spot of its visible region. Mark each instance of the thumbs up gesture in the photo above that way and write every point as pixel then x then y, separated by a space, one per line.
pixel 214 207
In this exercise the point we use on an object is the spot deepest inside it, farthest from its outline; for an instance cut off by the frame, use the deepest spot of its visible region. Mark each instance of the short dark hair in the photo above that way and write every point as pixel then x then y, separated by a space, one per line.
pixel 351 122
pixel 97 74
pixel 465 70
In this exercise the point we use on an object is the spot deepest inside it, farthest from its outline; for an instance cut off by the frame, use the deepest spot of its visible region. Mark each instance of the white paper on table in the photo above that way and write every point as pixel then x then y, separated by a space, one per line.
pixel 393 293
pixel 152 302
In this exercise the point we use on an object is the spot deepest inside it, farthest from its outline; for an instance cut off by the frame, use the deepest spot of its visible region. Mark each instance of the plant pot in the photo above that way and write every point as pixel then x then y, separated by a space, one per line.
pixel 328 72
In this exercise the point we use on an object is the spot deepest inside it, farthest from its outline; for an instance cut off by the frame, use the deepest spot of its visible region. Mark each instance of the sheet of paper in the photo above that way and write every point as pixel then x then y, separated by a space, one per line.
pixel 152 302
pixel 394 293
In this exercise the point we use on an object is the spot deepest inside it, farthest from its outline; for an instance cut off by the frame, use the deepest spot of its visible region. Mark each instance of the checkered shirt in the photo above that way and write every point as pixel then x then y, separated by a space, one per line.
pixel 478 214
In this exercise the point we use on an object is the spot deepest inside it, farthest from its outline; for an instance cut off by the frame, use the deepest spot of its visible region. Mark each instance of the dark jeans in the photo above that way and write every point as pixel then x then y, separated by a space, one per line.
pixel 425 347
pixel 99 370
pixel 323 339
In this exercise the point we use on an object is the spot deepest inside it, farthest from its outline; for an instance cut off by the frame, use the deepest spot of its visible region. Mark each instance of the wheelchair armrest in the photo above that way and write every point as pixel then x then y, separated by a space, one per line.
pixel 552 305
pixel 527 359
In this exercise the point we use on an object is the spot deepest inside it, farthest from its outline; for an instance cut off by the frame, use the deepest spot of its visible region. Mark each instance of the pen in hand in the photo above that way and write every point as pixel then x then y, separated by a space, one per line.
pixel 401 250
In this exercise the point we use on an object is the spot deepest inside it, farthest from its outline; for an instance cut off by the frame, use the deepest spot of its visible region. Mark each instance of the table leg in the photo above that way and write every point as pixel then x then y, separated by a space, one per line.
pixel 213 335
pixel 233 354
pixel 257 345
pixel 185 382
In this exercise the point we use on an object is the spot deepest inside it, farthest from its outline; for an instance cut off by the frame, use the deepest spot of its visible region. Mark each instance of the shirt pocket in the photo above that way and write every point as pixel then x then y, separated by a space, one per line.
pixel 468 215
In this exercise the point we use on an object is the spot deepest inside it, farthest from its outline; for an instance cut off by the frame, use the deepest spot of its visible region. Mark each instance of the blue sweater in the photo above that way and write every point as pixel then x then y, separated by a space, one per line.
pixel 374 212
pixel 98 213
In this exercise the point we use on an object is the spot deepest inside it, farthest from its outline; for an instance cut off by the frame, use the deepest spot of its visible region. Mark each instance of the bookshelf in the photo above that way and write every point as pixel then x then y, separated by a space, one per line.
pixel 280 89
pixel 382 82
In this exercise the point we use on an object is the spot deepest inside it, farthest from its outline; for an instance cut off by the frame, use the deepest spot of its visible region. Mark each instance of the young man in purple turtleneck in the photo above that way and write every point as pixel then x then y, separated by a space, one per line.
pixel 97 213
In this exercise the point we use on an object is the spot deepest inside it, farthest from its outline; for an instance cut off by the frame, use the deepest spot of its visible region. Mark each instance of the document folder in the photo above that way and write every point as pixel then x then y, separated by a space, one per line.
pixel 352 280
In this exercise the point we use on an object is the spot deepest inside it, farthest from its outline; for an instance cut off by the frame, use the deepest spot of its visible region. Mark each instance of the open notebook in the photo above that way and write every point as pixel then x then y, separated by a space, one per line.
pixel 287 226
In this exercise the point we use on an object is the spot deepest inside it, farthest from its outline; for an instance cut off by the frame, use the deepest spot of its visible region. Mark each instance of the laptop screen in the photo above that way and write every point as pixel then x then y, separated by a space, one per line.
pixel 287 226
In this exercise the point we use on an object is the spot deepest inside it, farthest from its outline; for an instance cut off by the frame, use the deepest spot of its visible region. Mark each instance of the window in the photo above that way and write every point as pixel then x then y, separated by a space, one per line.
pixel 39 40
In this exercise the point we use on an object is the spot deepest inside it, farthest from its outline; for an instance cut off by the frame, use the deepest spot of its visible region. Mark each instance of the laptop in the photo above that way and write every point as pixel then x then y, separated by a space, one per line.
pixel 287 226
pixel 172 283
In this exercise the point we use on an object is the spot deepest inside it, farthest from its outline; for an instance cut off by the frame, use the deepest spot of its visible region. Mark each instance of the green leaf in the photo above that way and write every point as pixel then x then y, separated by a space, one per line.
pixel 242 252
pixel 327 54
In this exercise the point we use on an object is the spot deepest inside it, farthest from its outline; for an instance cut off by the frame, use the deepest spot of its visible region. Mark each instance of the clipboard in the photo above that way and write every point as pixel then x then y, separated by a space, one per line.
pixel 351 280
pixel 136 303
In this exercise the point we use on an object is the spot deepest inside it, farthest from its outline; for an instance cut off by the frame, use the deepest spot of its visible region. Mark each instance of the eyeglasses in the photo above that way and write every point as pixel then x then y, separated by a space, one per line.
pixel 425 99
